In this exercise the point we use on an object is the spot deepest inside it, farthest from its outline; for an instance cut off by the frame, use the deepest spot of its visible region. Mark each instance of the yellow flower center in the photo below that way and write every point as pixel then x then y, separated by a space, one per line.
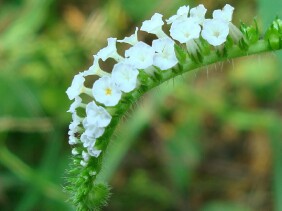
pixel 216 34
pixel 108 91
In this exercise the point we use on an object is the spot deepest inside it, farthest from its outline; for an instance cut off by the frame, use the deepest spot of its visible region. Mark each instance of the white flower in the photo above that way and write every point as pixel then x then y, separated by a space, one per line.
pixel 89 143
pixel 225 14
pixel 83 163
pixel 94 152
pixel 154 25
pixel 76 118
pixel 73 140
pixel 85 156
pixel 74 151
pixel 110 51
pixel 165 57
pixel 185 30
pixel 95 68
pixel 76 87
pixel 125 77
pixel 92 131
pixel 140 55
pixel 97 115
pixel 105 91
pixel 132 40
pixel 74 125
pixel 181 15
pixel 74 128
pixel 92 173
pixel 77 102
pixel 215 31
pixel 198 14
pixel 87 140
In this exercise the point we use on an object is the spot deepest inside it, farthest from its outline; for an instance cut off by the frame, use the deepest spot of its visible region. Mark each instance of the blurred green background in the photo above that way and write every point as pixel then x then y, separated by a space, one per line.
pixel 209 140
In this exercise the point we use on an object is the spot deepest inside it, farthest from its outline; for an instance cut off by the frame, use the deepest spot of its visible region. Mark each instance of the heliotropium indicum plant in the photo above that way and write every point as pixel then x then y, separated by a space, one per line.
pixel 192 41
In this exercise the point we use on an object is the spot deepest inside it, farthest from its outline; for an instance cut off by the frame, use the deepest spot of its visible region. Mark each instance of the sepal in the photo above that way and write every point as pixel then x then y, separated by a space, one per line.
pixel 274 35
pixel 251 33
pixel 180 53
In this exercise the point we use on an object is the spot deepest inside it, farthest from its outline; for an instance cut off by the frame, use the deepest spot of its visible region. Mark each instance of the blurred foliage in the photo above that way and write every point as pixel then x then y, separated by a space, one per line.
pixel 209 140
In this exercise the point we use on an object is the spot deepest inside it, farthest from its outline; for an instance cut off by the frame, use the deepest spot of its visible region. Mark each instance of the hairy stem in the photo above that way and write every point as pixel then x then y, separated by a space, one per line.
pixel 90 190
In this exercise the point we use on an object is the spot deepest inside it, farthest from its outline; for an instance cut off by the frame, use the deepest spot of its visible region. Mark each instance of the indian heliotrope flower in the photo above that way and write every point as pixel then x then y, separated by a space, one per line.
pixel 186 30
pixel 125 77
pixel 76 87
pixel 140 55
pixel 198 14
pixel 154 26
pixel 215 31
pixel 75 104
pixel 132 39
pixel 95 69
pixel 182 14
pixel 110 51
pixel 106 92
pixel 97 115
pixel 164 57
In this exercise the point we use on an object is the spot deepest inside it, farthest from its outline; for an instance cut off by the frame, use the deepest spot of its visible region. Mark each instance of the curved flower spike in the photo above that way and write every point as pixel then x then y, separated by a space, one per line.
pixel 132 40
pixel 105 91
pixel 154 26
pixel 182 14
pixel 165 57
pixel 110 51
pixel 136 74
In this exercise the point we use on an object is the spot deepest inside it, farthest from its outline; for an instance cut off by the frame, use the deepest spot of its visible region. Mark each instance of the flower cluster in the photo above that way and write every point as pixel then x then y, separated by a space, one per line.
pixel 187 26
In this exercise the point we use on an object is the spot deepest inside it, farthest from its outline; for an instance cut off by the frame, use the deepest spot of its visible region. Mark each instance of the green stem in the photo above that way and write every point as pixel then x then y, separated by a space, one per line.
pixel 91 191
